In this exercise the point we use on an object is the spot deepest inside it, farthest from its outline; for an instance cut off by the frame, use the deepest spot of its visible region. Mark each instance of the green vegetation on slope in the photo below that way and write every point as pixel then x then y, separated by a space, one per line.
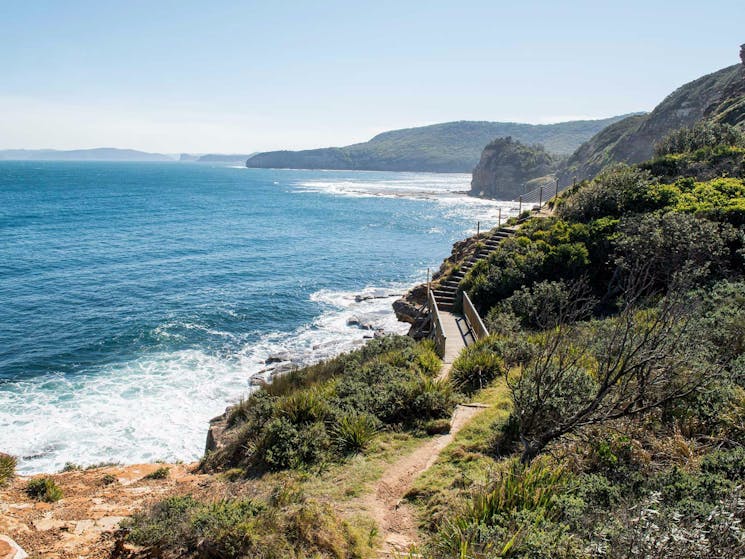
pixel 718 97
pixel 451 147
pixel 618 429
pixel 614 376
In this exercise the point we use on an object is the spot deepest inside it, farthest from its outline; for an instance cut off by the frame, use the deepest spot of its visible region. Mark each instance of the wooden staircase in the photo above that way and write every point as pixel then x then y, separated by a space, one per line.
pixel 447 291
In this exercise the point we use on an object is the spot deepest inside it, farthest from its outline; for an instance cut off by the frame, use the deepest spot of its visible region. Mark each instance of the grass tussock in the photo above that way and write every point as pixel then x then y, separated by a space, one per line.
pixel 7 468
pixel 44 489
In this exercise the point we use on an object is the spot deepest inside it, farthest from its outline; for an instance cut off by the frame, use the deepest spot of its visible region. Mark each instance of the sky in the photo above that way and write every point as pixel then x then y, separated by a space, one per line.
pixel 245 76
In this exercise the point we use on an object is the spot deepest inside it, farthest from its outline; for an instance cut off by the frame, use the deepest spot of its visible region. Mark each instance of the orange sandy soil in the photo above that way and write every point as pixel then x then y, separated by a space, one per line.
pixel 83 523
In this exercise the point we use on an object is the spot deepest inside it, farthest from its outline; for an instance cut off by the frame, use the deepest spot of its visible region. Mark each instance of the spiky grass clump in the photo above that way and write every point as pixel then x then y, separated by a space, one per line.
pixel 476 367
pixel 354 431
pixel 44 489
pixel 7 468
pixel 161 473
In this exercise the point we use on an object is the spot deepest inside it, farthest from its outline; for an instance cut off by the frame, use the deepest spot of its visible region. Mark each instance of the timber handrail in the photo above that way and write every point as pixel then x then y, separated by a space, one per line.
pixel 437 331
pixel 474 320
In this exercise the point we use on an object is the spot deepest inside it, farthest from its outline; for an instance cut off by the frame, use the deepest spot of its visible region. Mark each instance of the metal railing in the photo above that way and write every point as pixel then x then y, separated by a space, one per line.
pixel 536 198
pixel 474 320
pixel 437 333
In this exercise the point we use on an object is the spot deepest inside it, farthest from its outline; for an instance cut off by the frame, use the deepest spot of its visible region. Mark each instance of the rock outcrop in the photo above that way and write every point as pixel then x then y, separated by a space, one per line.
pixel 507 166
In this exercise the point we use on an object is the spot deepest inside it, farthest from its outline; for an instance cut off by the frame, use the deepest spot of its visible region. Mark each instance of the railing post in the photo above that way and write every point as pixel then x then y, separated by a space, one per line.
pixel 478 229
pixel 556 193
pixel 520 206
pixel 499 219
pixel 540 198
pixel 429 283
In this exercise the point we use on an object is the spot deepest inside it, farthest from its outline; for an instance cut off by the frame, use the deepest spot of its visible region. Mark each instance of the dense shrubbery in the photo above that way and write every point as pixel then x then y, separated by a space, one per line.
pixel 702 135
pixel 285 526
pixel 623 321
pixel 324 412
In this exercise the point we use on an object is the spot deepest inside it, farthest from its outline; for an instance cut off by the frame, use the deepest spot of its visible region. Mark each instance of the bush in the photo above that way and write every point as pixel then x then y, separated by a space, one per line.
pixel 353 432
pixel 236 528
pixel 476 367
pixel 283 445
pixel 437 427
pixel 161 473
pixel 7 468
pixel 44 489
pixel 702 135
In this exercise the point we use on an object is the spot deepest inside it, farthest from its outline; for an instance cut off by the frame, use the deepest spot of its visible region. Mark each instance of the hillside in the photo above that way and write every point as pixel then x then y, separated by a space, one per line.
pixel 717 97
pixel 95 154
pixel 507 167
pixel 449 147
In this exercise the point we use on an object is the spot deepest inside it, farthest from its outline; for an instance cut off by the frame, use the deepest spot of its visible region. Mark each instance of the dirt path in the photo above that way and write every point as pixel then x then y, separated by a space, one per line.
pixel 395 518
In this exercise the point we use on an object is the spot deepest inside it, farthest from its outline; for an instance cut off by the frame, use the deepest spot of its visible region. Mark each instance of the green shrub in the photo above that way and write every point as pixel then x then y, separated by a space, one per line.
pixel 44 489
pixel 476 366
pixel 235 528
pixel 427 399
pixel 161 473
pixel 437 426
pixel 284 445
pixel 353 432
pixel 71 467
pixel 727 463
pixel 108 479
pixel 7 468
pixel 702 135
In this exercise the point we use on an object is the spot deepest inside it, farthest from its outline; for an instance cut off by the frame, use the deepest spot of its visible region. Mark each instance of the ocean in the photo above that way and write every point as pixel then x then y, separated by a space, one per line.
pixel 138 299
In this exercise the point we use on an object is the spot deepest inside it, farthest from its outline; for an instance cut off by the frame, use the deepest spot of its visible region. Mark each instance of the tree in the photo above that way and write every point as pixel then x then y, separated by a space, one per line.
pixel 591 373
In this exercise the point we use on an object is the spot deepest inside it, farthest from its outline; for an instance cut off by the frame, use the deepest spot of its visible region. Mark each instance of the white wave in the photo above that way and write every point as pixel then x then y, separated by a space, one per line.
pixel 157 407
pixel 447 190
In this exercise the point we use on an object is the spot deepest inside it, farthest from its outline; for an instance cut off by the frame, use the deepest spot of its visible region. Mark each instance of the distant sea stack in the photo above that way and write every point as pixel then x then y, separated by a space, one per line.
pixel 508 168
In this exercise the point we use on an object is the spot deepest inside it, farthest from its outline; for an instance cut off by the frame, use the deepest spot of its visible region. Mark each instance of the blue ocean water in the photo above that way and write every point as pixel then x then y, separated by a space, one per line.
pixel 137 299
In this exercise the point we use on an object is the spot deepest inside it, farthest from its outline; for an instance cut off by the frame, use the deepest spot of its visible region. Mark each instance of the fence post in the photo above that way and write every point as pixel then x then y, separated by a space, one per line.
pixel 428 281
pixel 478 229
pixel 499 219
pixel 556 193
pixel 520 206
pixel 540 198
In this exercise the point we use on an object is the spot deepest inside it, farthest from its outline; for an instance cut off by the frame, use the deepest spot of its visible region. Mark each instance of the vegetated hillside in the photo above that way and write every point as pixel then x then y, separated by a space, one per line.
pixel 613 380
pixel 508 168
pixel 451 147
pixel 717 97
pixel 95 154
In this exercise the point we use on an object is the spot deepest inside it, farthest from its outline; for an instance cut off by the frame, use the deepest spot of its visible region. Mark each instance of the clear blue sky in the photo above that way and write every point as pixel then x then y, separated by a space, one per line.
pixel 218 76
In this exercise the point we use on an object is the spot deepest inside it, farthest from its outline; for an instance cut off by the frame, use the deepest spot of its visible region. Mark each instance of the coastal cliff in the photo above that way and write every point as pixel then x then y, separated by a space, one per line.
pixel 508 168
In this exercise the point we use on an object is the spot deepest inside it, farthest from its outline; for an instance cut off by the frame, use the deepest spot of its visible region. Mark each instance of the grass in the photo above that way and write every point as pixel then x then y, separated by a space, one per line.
pixel 7 468
pixel 465 460
pixel 287 524
pixel 44 489
pixel 354 432
pixel 161 473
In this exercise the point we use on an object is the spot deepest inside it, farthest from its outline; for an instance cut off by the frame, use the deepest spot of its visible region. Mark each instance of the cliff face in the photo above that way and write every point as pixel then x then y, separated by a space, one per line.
pixel 507 166
pixel 718 97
